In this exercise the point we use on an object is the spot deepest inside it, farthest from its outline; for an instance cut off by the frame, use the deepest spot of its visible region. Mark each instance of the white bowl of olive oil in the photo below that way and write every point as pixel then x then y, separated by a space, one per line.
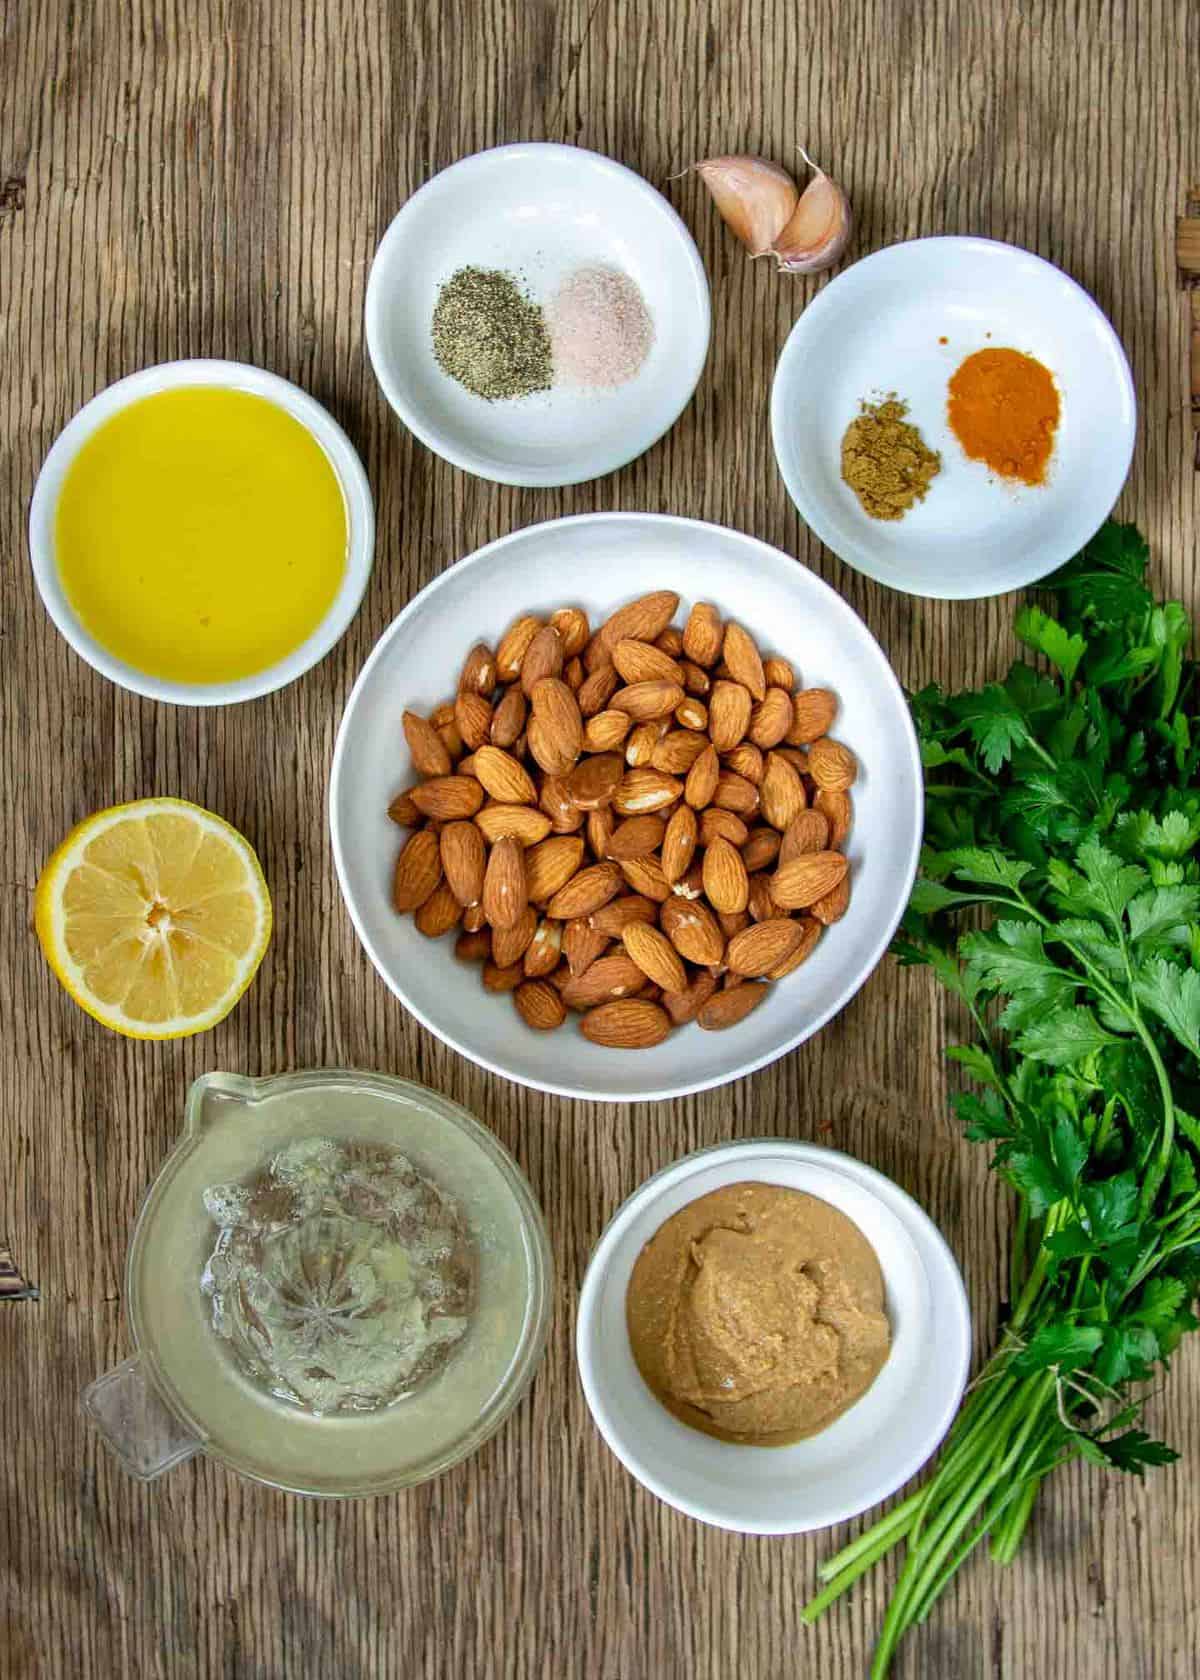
pixel 202 532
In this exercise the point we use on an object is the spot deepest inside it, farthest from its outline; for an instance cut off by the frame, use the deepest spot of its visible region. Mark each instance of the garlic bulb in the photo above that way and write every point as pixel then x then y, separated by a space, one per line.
pixel 756 198
pixel 818 229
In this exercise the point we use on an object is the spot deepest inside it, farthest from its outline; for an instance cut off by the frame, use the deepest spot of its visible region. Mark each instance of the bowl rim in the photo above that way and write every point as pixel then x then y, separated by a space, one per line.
pixel 392 239
pixel 813 315
pixel 342 456
pixel 677 1088
pixel 918 1225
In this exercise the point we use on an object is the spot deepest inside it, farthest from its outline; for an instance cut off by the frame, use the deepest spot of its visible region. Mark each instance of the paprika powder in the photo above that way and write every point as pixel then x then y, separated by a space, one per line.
pixel 1003 408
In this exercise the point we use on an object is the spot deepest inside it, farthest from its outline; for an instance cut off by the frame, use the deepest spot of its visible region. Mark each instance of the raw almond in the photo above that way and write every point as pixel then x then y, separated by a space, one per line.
pixel 593 782
pixel 761 849
pixel 696 679
pixel 702 779
pixel 474 947
pixel 703 634
pixel 439 913
pixel 796 757
pixel 691 713
pixel 834 804
pixel 654 954
pixel 508 719
pixel 539 1005
pixel 647 700
pixel 640 662
pixel 543 658
pixel 693 930
pixel 464 859
pixel 760 904
pixel 514 822
pixel 746 760
pixel 608 977
pixel 612 919
pixel 678 841
pixel 606 730
pixel 642 742
pixel 573 674
pixel 425 745
pixel 677 751
pixel 503 777
pixel 726 1009
pixel 729 707
pixel 732 921
pixel 447 797
pixel 418 871
pixel 796 885
pixel 781 792
pixel 478 675
pixel 581 945
pixel 741 655
pixel 810 933
pixel 628 1024
pixel 586 891
pixel 597 656
pixel 636 837
pixel 448 731
pixel 474 920
pixel 643 619
pixel 813 710
pixel 831 765
pixel 726 885
pixel 779 674
pixel 544 949
pixel 513 646
pixel 497 979
pixel 763 946
pixel 691 883
pixel 573 630
pixel 833 906
pixel 771 719
pixel 645 790
pixel 473 717
pixel 505 893
pixel 724 825
pixel 402 811
pixel 509 945
pixel 684 1006
pixel 550 864
pixel 556 726
pixel 808 832
pixel 598 689
pixel 600 826
pixel 645 876
pixel 670 642
pixel 735 793
pixel 565 816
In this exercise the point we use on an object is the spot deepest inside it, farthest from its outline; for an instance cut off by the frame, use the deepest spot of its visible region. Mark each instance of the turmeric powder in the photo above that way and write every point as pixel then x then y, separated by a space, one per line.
pixel 1003 408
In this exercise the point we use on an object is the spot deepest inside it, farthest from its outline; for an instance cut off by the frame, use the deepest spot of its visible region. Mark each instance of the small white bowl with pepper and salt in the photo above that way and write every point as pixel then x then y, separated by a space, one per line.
pixel 626 806
pixel 537 315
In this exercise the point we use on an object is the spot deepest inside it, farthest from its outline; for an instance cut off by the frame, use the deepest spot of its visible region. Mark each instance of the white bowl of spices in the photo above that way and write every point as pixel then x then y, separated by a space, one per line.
pixel 537 315
pixel 772 1337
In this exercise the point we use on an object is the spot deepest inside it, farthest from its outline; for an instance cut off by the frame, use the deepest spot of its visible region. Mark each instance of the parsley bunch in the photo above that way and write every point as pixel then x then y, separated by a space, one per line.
pixel 1065 805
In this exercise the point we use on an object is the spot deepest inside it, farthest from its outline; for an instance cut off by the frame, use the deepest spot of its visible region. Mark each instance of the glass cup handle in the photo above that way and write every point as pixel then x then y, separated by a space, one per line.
pixel 145 1434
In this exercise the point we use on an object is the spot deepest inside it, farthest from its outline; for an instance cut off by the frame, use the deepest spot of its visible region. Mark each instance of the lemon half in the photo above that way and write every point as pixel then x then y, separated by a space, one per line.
pixel 154 916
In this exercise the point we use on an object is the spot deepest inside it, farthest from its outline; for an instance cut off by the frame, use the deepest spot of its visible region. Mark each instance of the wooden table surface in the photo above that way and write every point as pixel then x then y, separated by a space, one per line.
pixel 209 178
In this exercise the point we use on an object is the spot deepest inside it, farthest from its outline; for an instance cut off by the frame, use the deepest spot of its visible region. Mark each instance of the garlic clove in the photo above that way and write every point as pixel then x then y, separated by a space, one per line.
pixel 819 228
pixel 756 198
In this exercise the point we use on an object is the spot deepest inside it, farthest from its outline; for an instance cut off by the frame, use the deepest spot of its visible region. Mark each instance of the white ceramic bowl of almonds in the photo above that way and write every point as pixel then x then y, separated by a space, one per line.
pixel 599 563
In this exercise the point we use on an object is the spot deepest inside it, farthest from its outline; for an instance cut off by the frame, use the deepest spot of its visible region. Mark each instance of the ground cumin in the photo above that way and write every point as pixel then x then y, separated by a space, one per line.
pixel 885 461
pixel 1003 408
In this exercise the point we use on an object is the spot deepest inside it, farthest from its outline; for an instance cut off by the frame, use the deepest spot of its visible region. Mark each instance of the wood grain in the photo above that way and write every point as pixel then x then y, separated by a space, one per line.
pixel 209 177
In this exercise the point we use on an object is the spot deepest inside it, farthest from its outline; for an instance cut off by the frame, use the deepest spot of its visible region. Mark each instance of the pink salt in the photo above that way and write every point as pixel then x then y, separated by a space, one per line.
pixel 600 328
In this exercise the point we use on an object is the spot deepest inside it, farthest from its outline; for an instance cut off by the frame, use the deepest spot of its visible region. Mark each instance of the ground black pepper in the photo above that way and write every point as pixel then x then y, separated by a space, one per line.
pixel 490 337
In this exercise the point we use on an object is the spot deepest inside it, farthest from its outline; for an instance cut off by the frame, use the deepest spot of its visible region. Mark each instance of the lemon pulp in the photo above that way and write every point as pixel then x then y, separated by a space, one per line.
pixel 154 916
pixel 201 534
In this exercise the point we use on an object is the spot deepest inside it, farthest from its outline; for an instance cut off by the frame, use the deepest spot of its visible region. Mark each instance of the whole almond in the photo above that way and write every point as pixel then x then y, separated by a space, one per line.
pixel 474 920
pixel 726 884
pixel 550 864
pixel 684 1006
pixel 732 922
pixel 503 777
pixel 597 655
pixel 833 906
pixel 832 765
pixel 508 718
pixel 702 779
pixel 813 710
pixel 796 885
pixel 761 849
pixel 691 713
pixel 636 837
pixel 581 945
pixel 678 841
pixel 645 790
pixel 693 930
pixel 573 630
pixel 703 634
pixel 613 976
pixel 808 832
pixel 834 804
pixel 735 793
pixel 612 919
pixel 600 826
pixel 586 891
pixel 473 717
pixel 647 700
pixel 539 1005
pixel 810 932
pixel 606 730
pixel 628 1024
pixel 696 679
pixel 726 1009
pixel 678 750
pixel 402 811
pixel 448 797
pixel 640 662
pixel 573 674
pixel 514 822
pixel 509 945
pixel 691 883
pixel 560 724
pixel 497 979
pixel 598 690
pixel 642 742
pixel 797 757
pixel 478 674
pixel 746 760
pixel 771 718
pixel 726 825
pixel 425 746
pixel 643 619
pixel 740 652
pixel 448 732
pixel 474 947
pixel 760 904
pixel 594 780
pixel 654 954
pixel 544 949
pixel 505 892
pixel 464 858
pixel 729 707
pixel 670 642
pixel 779 674
pixel 645 876
pixel 565 816
pixel 418 871
pixel 543 658
pixel 513 646
pixel 439 913
pixel 763 946
pixel 782 793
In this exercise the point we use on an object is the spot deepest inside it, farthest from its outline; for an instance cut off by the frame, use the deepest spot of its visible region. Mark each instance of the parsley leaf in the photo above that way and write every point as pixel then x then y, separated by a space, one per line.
pixel 1134 1450
pixel 1173 994
pixel 1064 1037
pixel 1046 635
